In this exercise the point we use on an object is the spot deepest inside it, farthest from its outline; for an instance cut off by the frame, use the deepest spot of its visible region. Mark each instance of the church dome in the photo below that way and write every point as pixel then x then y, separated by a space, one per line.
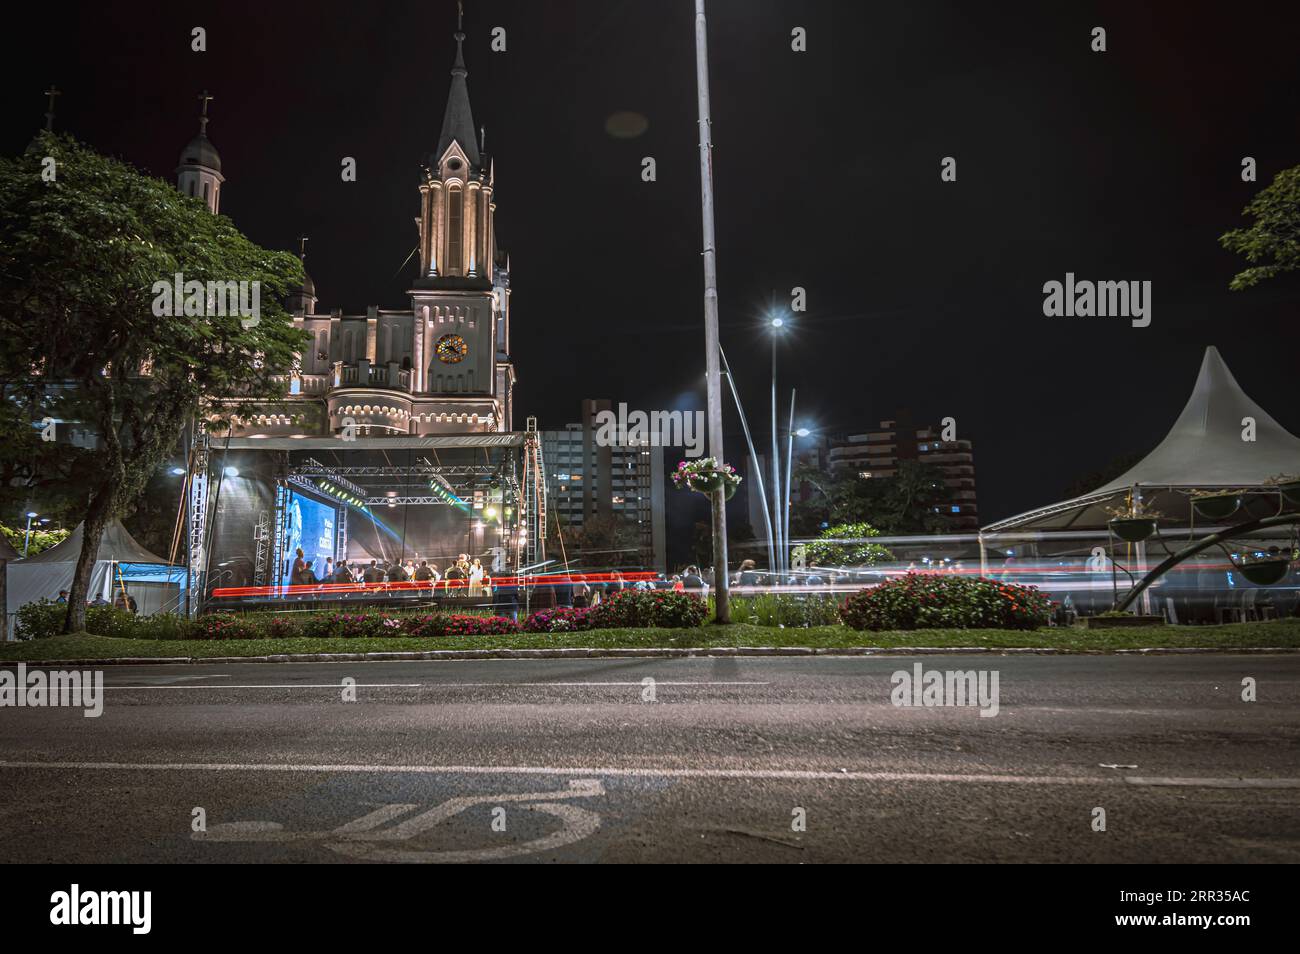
pixel 201 152
pixel 308 286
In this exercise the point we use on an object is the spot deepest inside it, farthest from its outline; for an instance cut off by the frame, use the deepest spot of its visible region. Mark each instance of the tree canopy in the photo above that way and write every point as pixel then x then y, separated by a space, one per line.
pixel 83 241
pixel 909 501
pixel 1272 243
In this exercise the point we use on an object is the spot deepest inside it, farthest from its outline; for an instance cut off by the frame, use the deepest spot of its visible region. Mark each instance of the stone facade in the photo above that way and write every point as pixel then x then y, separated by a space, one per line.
pixel 441 367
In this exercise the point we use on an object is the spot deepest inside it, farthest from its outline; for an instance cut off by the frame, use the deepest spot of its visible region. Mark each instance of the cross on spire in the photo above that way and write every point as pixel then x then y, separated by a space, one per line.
pixel 204 97
pixel 460 14
pixel 49 116
pixel 302 247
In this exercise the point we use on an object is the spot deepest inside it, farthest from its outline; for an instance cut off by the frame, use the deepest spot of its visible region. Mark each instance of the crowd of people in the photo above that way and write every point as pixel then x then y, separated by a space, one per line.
pixel 465 573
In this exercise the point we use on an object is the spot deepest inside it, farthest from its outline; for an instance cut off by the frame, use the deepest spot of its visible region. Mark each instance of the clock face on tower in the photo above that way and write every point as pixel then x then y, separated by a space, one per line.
pixel 451 348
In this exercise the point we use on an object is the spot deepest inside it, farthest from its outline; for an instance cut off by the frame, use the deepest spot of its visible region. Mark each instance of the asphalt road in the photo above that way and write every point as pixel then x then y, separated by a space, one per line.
pixel 559 760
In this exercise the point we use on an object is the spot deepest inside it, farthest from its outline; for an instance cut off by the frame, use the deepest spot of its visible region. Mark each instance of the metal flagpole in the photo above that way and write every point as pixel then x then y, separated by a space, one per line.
pixel 713 372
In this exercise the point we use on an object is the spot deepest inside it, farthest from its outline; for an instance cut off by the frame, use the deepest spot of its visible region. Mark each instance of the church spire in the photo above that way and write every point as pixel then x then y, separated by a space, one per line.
pixel 457 120
pixel 199 173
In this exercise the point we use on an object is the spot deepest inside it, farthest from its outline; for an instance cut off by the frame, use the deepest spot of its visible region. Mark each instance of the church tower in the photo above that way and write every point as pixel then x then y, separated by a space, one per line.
pixel 459 301
pixel 199 173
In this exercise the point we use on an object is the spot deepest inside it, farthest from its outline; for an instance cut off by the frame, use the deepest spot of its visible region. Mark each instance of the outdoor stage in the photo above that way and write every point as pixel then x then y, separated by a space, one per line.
pixel 255 501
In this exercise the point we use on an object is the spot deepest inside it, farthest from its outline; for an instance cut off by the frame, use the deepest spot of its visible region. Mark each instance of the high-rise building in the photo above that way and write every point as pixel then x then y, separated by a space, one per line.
pixel 877 453
pixel 589 479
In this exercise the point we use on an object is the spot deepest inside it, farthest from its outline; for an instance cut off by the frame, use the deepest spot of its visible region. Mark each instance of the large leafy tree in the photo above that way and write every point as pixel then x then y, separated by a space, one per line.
pixel 909 501
pixel 79 257
pixel 1272 243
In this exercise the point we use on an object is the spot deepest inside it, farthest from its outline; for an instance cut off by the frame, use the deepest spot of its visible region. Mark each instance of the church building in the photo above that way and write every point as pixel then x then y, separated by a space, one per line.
pixel 441 366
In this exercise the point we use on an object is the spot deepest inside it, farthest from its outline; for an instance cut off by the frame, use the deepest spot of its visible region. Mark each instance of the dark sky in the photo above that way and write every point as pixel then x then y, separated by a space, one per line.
pixel 922 294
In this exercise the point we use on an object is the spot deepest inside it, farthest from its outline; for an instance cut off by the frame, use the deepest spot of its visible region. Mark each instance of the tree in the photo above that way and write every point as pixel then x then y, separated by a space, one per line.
pixel 39 540
pixel 1274 238
pixel 845 545
pixel 80 257
pixel 910 501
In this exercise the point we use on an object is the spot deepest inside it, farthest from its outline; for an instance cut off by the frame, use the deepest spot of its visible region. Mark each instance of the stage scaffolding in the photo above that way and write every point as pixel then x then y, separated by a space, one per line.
pixel 476 474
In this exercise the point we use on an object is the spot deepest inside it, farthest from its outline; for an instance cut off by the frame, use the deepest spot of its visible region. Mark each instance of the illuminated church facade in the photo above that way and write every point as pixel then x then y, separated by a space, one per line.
pixel 440 367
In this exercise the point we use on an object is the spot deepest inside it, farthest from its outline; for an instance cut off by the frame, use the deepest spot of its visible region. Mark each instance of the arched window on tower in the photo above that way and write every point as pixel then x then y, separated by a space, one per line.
pixel 455 226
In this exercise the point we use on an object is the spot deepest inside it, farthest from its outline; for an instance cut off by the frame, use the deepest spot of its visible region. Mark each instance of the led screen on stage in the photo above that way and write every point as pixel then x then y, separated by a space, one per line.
pixel 313 526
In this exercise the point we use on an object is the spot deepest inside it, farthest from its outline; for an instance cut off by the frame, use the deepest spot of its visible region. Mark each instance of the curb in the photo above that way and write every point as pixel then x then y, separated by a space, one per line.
pixel 649 653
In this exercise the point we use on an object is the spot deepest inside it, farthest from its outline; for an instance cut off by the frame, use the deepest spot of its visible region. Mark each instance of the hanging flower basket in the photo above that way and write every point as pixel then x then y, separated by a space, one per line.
pixel 1133 529
pixel 1265 572
pixel 705 475
pixel 1217 506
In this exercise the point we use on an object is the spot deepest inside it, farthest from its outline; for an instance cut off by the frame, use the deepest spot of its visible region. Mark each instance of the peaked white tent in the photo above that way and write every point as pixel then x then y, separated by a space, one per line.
pixel 120 560
pixel 1203 450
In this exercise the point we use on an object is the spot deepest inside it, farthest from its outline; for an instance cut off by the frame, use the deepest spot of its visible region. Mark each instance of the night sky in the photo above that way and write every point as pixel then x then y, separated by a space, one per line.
pixel 923 295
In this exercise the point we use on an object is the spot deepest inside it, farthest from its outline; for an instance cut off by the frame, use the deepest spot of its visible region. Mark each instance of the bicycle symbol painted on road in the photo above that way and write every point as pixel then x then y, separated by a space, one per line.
pixel 372 838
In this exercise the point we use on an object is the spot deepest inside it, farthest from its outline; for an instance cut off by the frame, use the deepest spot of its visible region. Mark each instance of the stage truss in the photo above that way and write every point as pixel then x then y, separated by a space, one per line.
pixel 512 478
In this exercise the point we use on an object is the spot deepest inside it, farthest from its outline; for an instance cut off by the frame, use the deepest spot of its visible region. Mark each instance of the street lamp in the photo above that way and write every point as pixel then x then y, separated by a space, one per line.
pixel 777 324
pixel 789 466
pixel 27 535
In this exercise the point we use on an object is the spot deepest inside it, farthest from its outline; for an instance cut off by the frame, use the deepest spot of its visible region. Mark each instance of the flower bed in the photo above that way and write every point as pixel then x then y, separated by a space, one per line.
pixel 638 609
pixel 561 620
pixel 940 601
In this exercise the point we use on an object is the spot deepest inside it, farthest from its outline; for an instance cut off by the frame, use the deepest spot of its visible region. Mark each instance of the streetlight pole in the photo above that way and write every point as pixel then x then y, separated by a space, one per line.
pixel 27 535
pixel 776 464
pixel 713 372
pixel 753 460
pixel 789 467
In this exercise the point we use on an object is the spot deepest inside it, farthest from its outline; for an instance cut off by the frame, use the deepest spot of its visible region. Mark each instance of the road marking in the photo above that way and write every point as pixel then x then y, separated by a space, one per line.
pixel 589 771
pixel 366 838
pixel 1216 782
pixel 301 685
pixel 446 685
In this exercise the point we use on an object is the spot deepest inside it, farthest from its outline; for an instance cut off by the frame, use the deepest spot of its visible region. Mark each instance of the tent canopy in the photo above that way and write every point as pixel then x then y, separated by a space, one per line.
pixel 43 575
pixel 1203 450
pixel 116 544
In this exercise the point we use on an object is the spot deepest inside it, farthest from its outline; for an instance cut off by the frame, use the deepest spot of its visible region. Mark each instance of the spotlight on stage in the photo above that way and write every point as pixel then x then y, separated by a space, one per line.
pixel 232 471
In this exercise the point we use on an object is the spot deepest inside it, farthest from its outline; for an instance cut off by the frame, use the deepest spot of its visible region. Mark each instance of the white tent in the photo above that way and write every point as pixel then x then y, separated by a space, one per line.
pixel 1204 449
pixel 121 561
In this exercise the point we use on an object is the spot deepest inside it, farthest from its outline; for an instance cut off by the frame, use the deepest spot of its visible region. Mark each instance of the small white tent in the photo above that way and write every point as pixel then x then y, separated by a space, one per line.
pixel 1203 450
pixel 121 561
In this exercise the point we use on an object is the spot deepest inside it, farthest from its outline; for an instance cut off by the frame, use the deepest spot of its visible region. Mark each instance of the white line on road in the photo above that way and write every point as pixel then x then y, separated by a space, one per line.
pixel 1216 782
pixel 446 685
pixel 651 772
